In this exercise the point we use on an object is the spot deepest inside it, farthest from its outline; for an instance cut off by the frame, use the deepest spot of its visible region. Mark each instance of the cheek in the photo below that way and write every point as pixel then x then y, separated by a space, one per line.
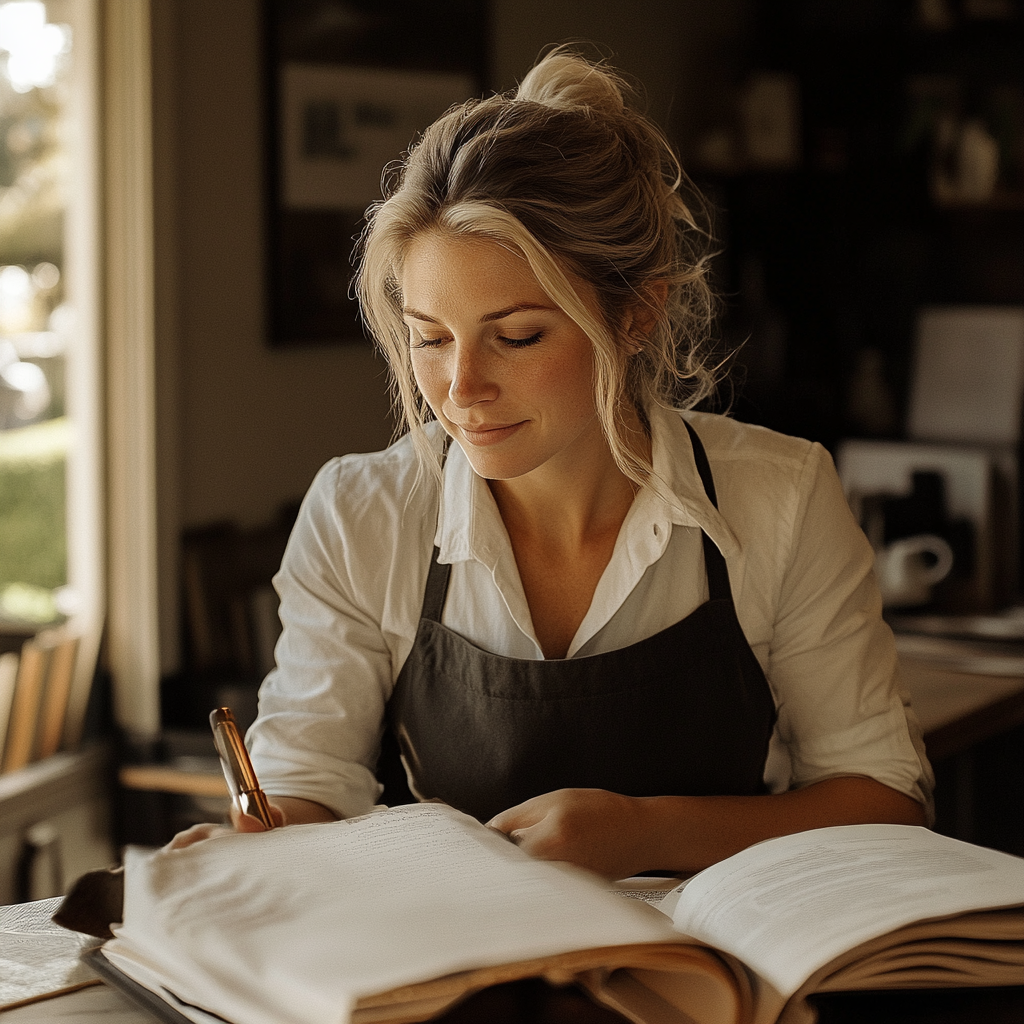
pixel 569 386
pixel 430 378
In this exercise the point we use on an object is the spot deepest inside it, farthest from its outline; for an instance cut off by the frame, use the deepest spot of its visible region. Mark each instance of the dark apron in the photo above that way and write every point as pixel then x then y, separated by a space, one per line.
pixel 687 711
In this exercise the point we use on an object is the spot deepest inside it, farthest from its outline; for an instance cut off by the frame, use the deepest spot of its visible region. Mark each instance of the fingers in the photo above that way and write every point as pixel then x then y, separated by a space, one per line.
pixel 591 828
pixel 522 816
pixel 535 825
pixel 239 823
pixel 515 835
pixel 196 834
pixel 543 839
pixel 247 823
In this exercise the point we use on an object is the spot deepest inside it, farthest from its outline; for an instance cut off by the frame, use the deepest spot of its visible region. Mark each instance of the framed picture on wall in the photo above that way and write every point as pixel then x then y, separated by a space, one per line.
pixel 346 97
pixel 341 126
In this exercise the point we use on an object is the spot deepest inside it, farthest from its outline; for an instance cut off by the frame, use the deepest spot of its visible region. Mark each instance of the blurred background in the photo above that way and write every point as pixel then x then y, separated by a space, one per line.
pixel 180 182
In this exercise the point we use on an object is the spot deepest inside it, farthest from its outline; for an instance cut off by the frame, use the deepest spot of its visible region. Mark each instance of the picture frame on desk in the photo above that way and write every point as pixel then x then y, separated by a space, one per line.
pixel 344 98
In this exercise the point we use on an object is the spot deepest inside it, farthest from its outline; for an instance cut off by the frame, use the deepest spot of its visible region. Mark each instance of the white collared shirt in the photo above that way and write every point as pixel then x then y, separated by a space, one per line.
pixel 352 580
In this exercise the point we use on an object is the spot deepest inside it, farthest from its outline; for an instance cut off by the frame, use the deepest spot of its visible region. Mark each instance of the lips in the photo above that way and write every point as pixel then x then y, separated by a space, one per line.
pixel 483 435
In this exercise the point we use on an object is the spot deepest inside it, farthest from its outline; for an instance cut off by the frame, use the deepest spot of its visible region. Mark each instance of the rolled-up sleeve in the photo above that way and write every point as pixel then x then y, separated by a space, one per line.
pixel 832 664
pixel 322 708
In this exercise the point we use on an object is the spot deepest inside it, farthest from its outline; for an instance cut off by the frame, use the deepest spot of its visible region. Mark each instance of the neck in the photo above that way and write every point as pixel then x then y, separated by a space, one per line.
pixel 563 521
pixel 573 500
pixel 567 511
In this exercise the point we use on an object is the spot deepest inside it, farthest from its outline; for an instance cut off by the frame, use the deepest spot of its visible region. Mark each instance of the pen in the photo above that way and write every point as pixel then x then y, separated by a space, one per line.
pixel 239 773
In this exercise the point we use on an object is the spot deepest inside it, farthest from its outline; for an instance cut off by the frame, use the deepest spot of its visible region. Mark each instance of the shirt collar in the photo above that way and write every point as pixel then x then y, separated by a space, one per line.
pixel 677 485
pixel 470 526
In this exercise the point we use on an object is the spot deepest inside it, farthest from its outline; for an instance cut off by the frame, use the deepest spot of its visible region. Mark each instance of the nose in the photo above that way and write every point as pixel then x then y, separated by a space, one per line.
pixel 471 377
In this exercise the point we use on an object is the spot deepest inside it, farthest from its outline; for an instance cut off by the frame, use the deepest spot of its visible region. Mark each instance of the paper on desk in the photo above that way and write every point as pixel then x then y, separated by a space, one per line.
pixel 37 957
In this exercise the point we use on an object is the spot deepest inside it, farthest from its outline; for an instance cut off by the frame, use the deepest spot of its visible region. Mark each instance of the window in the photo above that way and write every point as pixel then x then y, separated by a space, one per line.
pixel 35 320
pixel 50 526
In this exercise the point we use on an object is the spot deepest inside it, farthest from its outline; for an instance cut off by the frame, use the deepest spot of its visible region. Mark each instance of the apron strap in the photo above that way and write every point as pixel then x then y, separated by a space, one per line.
pixel 437 587
pixel 718 575
pixel 714 561
pixel 438 575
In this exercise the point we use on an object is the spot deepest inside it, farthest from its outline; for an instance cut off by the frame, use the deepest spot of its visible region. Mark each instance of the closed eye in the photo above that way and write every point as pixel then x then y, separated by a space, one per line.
pixel 521 342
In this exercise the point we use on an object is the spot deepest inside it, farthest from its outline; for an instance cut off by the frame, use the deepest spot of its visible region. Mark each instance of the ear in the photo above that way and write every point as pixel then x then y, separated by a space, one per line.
pixel 643 314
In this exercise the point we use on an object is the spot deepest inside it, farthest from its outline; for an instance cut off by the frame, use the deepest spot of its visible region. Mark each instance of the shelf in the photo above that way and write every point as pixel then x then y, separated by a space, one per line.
pixel 46 787
pixel 1003 201
pixel 160 778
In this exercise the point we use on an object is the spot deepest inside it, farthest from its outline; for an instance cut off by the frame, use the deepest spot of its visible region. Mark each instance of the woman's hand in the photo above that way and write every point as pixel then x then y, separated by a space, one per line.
pixel 618 836
pixel 591 828
pixel 285 810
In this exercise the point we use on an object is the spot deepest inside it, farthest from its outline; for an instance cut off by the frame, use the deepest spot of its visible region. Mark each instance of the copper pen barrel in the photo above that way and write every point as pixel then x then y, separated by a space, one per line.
pixel 238 770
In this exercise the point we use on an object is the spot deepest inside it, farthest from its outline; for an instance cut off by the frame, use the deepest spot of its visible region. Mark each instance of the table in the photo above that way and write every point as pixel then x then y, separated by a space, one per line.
pixel 534 1002
pixel 957 708
pixel 530 1001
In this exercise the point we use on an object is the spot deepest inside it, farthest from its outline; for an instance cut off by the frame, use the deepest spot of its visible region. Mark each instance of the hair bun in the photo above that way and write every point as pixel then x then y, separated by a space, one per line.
pixel 564 80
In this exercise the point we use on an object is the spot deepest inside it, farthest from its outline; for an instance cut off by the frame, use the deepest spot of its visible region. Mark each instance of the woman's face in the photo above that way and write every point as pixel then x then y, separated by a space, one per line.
pixel 508 374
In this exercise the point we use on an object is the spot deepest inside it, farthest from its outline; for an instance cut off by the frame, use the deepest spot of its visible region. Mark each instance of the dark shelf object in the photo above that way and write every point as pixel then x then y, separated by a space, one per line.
pixel 835 256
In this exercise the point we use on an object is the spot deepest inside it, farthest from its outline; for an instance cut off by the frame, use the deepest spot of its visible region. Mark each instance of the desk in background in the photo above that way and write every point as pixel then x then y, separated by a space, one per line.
pixel 963 694
pixel 969 699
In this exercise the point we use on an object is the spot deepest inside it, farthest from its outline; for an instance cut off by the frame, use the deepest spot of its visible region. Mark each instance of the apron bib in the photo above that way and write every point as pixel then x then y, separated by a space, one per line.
pixel 687 711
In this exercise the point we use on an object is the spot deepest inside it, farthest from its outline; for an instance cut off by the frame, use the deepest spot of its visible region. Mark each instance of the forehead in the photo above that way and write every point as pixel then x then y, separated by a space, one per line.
pixel 444 267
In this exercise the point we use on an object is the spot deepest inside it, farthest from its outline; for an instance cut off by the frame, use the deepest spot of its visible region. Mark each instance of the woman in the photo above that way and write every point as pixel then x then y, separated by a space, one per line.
pixel 629 637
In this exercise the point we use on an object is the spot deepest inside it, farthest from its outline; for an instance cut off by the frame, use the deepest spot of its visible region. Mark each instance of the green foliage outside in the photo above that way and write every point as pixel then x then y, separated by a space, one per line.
pixel 33 544
pixel 36 166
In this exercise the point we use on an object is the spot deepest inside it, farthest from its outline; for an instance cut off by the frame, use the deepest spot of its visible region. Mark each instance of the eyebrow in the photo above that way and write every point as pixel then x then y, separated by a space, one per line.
pixel 498 314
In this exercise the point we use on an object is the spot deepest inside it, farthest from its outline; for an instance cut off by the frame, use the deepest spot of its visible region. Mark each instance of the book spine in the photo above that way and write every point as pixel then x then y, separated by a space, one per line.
pixel 8 677
pixel 28 692
pixel 53 712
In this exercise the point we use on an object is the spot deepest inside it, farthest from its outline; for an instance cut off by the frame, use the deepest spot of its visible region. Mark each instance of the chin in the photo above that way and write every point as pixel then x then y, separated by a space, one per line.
pixel 494 466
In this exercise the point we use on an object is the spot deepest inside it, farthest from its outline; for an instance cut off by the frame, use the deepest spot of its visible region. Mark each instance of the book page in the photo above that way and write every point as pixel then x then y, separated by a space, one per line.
pixel 293 926
pixel 789 906
pixel 37 957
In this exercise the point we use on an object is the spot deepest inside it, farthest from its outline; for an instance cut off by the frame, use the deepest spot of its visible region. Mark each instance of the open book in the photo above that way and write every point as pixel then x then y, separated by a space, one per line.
pixel 397 915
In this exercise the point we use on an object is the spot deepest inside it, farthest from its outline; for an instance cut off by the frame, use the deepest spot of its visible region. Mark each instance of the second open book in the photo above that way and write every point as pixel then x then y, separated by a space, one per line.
pixel 394 916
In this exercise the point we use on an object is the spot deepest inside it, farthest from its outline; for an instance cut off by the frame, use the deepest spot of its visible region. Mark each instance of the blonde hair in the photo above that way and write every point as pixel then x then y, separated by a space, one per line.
pixel 565 172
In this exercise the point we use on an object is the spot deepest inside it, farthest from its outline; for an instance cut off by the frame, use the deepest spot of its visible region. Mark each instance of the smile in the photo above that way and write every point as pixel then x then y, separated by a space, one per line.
pixel 483 436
